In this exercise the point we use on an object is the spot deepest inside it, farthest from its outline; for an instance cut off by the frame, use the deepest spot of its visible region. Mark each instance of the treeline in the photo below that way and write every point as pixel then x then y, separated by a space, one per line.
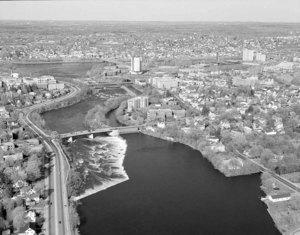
pixel 83 94
pixel 75 186
pixel 96 117
pixel 226 162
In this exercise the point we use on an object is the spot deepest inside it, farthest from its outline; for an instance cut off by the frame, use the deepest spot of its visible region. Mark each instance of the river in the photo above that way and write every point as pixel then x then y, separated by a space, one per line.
pixel 167 188
pixel 58 70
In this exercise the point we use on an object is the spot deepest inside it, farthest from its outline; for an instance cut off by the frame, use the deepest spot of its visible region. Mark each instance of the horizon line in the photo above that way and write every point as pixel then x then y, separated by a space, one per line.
pixel 151 21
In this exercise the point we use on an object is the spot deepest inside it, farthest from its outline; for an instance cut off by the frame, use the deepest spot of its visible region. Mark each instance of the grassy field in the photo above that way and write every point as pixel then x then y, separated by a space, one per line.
pixel 286 215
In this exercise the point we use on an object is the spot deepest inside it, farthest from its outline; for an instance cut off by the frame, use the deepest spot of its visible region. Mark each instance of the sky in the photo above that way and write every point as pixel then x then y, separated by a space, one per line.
pixel 154 10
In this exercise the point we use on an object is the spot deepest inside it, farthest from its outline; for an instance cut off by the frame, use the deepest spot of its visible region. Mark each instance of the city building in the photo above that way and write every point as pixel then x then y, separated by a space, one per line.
pixel 136 65
pixel 44 82
pixel 252 55
pixel 248 55
pixel 137 103
pixel 159 114
pixel 260 57
pixel 164 83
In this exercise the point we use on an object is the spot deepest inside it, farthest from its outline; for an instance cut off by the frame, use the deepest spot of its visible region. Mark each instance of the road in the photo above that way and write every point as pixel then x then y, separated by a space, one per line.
pixel 59 223
pixel 284 181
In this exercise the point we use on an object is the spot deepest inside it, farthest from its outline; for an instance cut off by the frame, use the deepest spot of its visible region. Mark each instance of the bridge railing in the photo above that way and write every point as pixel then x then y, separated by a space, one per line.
pixel 107 129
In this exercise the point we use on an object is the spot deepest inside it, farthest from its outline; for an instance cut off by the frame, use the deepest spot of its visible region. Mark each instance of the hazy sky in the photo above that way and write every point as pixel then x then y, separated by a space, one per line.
pixel 154 10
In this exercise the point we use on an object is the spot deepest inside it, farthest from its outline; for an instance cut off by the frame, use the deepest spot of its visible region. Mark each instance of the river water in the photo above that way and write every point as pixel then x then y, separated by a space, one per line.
pixel 167 188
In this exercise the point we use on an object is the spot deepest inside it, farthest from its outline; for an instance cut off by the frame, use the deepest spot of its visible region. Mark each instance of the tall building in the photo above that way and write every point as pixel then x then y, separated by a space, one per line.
pixel 136 65
pixel 248 55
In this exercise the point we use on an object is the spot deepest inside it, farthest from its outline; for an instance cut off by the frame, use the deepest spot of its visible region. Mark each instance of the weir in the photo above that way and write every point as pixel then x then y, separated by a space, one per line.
pixel 104 162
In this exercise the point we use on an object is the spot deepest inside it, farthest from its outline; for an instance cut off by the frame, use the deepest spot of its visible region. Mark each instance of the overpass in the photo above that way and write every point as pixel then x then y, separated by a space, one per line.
pixel 91 133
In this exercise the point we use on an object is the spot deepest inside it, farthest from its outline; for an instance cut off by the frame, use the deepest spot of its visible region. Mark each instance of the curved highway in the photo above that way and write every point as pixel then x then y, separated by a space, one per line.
pixel 58 217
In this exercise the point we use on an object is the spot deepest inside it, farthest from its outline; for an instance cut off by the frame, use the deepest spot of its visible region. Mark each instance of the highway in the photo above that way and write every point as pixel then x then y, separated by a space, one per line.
pixel 59 223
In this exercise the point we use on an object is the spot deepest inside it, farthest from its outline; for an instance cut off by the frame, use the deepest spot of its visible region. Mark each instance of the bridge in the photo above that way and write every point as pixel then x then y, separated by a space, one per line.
pixel 91 133
pixel 100 85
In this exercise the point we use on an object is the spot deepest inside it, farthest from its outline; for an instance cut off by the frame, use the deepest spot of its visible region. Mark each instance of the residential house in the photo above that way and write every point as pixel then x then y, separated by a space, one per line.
pixel 8 146
pixel 31 216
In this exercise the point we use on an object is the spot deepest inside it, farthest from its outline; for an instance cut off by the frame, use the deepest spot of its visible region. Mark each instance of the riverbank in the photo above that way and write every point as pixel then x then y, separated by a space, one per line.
pixel 51 62
pixel 222 165
pixel 97 116
pixel 285 214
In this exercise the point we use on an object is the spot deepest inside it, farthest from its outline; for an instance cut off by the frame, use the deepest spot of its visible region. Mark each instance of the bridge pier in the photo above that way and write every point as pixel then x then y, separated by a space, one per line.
pixel 91 136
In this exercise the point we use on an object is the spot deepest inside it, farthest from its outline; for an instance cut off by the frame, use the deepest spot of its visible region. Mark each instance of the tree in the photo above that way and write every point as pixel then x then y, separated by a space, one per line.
pixel 256 151
pixel 33 168
pixel 205 111
pixel 39 186
pixel 19 201
pixel 74 217
pixel 8 205
pixel 2 223
pixel 18 217
pixel 266 156
pixel 11 174
pixel 75 183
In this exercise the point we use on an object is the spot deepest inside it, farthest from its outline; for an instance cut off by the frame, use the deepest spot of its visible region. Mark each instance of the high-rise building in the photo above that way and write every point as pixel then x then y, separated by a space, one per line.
pixel 248 55
pixel 136 65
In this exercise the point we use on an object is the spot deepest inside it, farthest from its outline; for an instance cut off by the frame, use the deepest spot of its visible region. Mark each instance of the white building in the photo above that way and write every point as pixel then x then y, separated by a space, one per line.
pixel 279 197
pixel 251 55
pixel 248 55
pixel 136 65
pixel 137 102
pixel 261 57
pixel 164 83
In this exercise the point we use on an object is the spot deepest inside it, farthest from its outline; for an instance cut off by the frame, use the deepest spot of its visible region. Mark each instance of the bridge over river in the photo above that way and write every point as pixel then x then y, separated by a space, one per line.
pixel 91 133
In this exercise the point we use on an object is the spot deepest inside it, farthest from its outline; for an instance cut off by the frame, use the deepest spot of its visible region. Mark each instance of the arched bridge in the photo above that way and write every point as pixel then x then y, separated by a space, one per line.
pixel 91 133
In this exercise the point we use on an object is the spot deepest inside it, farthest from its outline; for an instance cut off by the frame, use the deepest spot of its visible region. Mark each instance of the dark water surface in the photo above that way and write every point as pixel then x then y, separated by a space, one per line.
pixel 70 118
pixel 173 190
pixel 58 70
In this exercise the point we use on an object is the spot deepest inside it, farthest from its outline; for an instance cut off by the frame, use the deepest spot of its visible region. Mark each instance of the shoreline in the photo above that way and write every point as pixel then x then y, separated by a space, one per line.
pixel 221 170
pixel 50 62
pixel 99 188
